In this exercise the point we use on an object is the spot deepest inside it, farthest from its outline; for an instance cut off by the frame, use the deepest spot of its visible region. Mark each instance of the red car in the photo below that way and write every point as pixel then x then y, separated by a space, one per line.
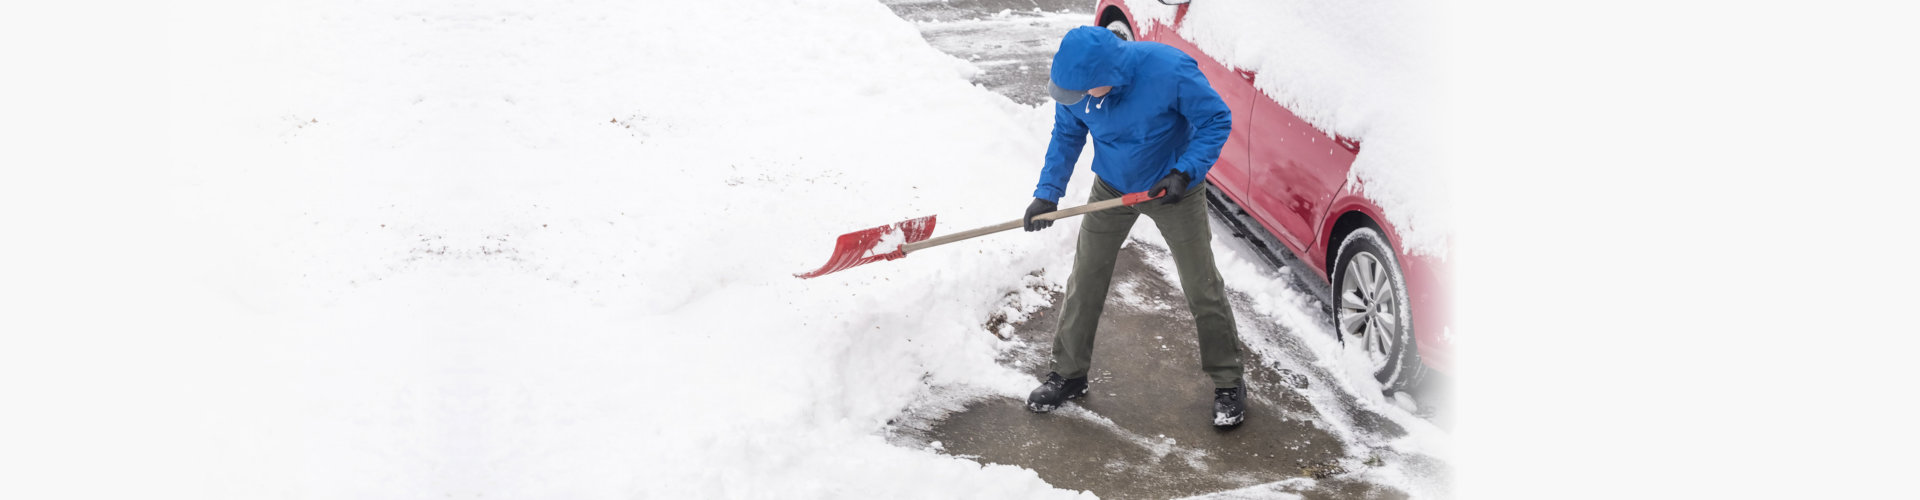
pixel 1292 178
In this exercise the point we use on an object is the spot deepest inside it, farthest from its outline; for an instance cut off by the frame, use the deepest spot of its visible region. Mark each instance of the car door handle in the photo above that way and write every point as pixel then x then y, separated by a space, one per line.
pixel 1248 75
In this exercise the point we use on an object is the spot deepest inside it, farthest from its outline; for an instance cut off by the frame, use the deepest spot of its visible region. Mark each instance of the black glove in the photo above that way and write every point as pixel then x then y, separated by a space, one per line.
pixel 1038 207
pixel 1173 186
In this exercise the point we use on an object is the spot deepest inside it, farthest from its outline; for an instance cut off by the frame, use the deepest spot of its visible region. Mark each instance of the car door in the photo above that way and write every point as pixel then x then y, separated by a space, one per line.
pixel 1295 171
pixel 1231 172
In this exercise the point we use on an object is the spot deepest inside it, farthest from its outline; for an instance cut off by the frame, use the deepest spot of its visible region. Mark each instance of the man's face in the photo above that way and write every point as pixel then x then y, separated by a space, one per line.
pixel 1099 91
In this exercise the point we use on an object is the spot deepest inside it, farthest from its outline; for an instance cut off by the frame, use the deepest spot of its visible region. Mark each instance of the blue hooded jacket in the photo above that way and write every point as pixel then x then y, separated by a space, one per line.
pixel 1160 117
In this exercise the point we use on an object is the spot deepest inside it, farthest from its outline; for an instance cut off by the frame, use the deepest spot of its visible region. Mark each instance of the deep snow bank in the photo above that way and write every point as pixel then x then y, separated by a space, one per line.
pixel 1361 70
pixel 475 248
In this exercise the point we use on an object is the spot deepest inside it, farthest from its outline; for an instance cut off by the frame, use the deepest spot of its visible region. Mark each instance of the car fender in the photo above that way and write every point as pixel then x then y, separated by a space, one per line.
pixel 1426 276
pixel 1348 199
pixel 1101 8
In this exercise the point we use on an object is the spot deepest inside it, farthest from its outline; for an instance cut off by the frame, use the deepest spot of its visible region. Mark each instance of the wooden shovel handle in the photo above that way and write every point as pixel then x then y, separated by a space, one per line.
pixel 1128 200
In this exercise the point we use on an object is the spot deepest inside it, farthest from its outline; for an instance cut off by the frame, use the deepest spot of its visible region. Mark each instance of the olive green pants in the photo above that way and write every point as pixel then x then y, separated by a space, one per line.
pixel 1184 225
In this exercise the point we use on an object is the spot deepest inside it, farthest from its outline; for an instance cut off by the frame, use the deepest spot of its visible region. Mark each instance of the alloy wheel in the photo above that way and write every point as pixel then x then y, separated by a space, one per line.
pixel 1369 308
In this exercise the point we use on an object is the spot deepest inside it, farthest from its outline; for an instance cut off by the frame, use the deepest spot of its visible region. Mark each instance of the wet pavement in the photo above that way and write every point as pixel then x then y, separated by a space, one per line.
pixel 1010 41
pixel 1144 430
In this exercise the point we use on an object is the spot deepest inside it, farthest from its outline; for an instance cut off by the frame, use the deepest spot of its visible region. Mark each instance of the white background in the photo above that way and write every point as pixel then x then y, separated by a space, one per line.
pixel 1684 264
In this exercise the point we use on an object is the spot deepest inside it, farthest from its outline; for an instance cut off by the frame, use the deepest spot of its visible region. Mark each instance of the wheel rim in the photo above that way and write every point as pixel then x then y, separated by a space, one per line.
pixel 1369 308
pixel 1121 29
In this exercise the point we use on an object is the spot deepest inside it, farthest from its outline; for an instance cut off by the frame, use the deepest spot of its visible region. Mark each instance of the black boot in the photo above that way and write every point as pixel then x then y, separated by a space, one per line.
pixel 1055 391
pixel 1229 406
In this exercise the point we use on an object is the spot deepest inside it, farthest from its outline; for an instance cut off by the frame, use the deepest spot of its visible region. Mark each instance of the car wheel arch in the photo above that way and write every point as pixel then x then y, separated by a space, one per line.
pixel 1349 221
pixel 1113 13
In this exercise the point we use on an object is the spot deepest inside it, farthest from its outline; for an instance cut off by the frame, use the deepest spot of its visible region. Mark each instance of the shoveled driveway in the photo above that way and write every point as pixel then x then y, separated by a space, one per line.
pixel 1145 431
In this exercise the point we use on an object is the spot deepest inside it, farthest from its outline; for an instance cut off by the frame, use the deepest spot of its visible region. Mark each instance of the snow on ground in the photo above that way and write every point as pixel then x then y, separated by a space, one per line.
pixel 477 248
pixel 1012 48
pixel 1021 35
pixel 1358 70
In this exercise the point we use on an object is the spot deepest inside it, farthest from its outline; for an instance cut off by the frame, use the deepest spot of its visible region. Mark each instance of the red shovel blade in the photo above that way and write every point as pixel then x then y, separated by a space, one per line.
pixel 859 247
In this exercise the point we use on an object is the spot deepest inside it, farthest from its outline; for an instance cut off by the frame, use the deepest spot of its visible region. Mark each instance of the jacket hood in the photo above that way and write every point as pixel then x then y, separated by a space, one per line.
pixel 1089 56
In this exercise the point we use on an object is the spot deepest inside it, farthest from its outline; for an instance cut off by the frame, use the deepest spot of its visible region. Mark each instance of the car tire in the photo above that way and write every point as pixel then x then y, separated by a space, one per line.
pixel 1375 313
pixel 1120 29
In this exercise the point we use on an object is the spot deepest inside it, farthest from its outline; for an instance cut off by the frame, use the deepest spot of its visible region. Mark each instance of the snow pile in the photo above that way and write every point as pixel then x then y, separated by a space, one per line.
pixel 476 248
pixel 1360 70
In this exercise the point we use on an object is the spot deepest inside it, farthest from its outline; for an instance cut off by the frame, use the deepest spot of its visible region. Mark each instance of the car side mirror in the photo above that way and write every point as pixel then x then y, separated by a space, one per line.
pixel 1175 2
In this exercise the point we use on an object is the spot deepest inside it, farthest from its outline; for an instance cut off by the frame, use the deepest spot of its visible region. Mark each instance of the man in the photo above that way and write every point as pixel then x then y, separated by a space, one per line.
pixel 1157 126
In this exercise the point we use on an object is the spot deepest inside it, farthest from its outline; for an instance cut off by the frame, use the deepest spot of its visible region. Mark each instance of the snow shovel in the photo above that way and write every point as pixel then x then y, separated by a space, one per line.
pixel 896 240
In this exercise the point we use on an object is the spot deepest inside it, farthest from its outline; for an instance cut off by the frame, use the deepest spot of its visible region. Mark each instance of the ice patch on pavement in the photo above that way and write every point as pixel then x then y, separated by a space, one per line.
pixel 1159 446
pixel 1277 490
